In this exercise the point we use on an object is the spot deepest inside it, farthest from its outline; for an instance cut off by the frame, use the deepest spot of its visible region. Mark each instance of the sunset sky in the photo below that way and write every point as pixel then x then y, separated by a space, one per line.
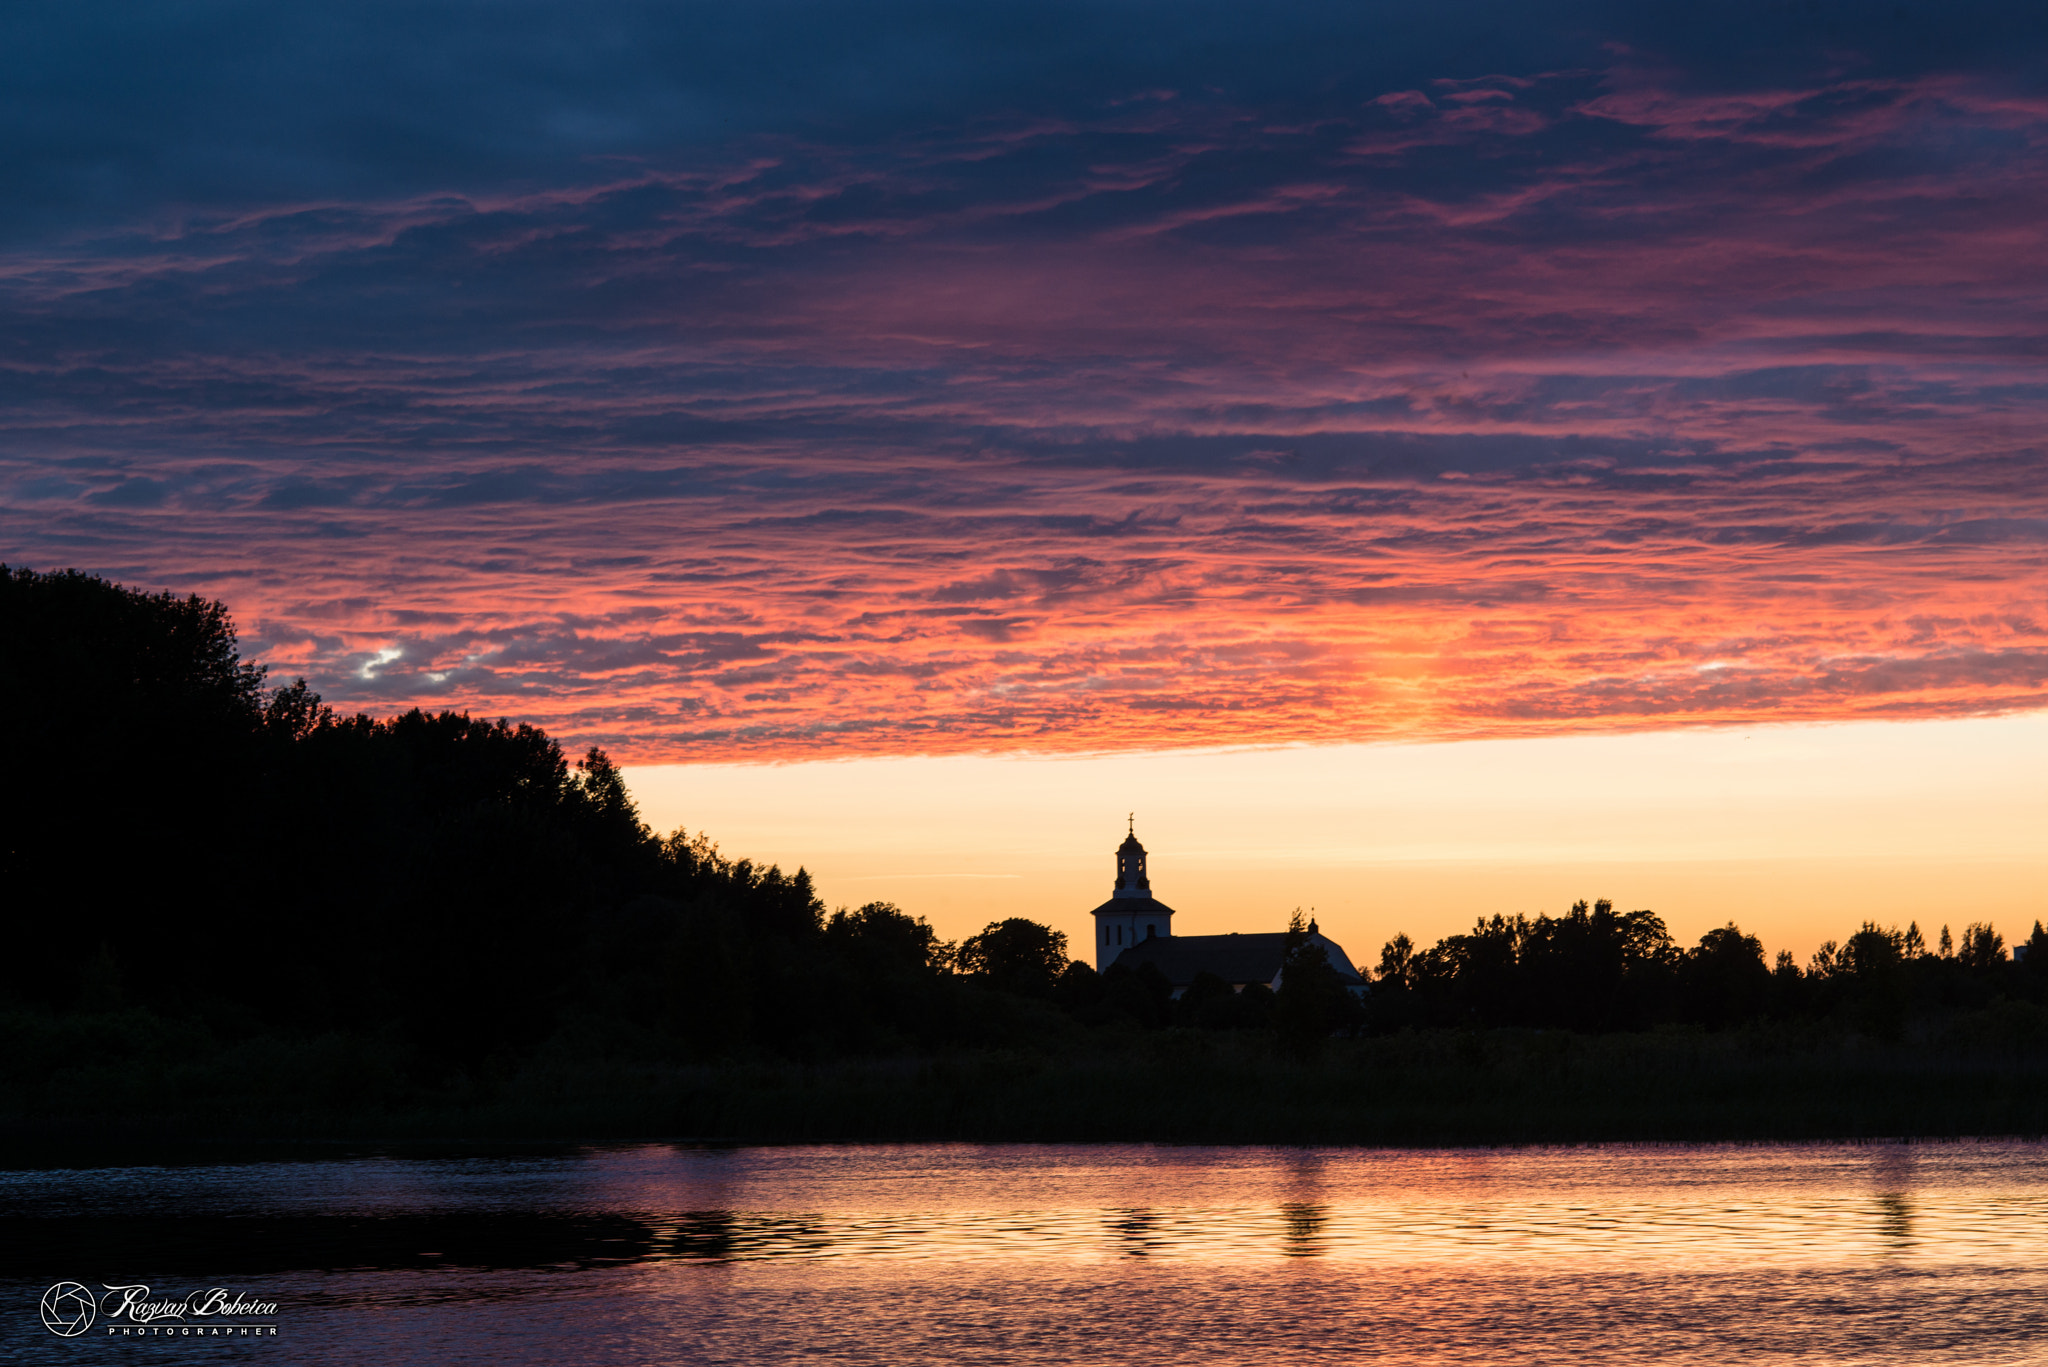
pixel 1429 459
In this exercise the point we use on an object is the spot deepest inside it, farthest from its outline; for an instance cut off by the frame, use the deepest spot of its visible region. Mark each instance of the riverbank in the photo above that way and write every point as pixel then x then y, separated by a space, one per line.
pixel 1419 1088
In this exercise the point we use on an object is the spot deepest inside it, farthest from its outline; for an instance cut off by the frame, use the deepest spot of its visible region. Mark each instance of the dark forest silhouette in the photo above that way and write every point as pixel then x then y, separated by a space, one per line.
pixel 436 896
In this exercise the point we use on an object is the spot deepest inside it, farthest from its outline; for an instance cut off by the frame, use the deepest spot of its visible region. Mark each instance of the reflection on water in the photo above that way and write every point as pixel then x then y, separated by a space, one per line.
pixel 1896 1220
pixel 1134 1231
pixel 1115 1253
pixel 1304 1229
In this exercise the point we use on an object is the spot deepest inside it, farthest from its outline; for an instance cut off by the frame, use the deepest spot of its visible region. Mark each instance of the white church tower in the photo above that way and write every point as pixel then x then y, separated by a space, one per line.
pixel 1131 915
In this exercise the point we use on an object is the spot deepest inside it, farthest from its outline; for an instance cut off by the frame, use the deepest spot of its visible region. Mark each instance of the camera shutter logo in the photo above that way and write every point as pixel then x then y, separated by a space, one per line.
pixel 68 1309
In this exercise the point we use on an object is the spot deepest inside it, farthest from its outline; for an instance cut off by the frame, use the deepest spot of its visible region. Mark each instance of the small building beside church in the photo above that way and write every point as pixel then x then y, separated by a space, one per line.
pixel 1134 928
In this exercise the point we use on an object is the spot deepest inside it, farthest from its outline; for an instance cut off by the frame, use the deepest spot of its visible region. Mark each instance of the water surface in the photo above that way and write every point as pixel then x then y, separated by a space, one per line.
pixel 1088 1254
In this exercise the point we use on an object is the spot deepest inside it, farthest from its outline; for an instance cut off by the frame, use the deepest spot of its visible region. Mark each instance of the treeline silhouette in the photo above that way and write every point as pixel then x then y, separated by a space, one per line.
pixel 190 843
pixel 185 844
pixel 1598 969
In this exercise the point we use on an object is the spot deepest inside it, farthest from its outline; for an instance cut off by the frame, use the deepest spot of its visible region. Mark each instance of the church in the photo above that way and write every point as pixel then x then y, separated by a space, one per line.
pixel 1134 928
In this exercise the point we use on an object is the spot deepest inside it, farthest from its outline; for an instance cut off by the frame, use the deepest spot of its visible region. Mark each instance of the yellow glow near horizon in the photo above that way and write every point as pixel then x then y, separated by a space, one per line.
pixel 1797 833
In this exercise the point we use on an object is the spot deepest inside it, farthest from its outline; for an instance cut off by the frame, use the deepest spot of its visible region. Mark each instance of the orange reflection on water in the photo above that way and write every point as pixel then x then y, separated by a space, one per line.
pixel 1711 1208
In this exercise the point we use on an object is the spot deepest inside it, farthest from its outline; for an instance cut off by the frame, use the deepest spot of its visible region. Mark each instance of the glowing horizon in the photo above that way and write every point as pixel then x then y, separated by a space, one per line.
pixel 1797 833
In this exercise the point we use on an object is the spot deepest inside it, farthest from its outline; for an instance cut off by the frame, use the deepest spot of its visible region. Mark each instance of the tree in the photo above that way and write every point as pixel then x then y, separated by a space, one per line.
pixel 2037 952
pixel 1872 951
pixel 1079 988
pixel 295 712
pixel 883 934
pixel 1208 1003
pixel 1596 968
pixel 603 787
pixel 1397 960
pixel 1141 996
pixel 1871 970
pixel 1724 979
pixel 1313 1000
pixel 1983 948
pixel 135 721
pixel 1475 977
pixel 1016 955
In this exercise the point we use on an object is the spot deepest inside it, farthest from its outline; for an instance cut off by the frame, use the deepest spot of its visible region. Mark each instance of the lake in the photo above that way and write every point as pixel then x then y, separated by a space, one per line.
pixel 902 1254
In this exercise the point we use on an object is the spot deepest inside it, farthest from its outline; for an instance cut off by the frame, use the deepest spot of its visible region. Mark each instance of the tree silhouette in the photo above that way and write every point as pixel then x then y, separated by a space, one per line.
pixel 1397 961
pixel 1982 949
pixel 889 938
pixel 2037 951
pixel 132 720
pixel 1016 955
pixel 1312 1000
pixel 1723 979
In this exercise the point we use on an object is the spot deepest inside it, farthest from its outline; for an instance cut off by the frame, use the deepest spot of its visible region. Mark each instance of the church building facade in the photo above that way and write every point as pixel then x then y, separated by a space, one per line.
pixel 1134 928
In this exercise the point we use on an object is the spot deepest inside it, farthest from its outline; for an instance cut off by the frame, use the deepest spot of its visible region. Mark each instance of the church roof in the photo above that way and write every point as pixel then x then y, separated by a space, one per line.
pixel 1133 906
pixel 1237 959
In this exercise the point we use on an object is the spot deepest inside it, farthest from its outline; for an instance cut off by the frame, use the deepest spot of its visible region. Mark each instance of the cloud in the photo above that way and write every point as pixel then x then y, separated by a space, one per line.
pixel 1080 393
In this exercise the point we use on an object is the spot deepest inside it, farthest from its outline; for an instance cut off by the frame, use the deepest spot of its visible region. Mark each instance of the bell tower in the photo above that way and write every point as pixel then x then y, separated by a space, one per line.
pixel 1131 916
pixel 1130 864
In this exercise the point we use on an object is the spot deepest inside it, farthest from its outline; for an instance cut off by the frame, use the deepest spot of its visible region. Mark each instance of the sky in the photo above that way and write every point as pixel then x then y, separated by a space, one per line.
pixel 1799 833
pixel 787 384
